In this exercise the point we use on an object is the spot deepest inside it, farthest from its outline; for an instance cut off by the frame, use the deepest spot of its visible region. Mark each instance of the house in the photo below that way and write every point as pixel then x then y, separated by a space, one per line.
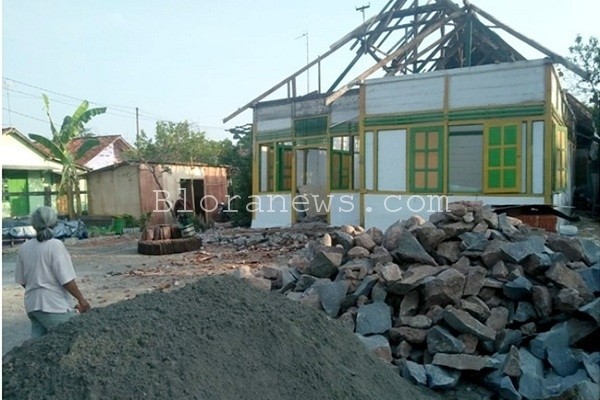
pixel 30 177
pixel 457 114
pixel 108 151
pixel 140 188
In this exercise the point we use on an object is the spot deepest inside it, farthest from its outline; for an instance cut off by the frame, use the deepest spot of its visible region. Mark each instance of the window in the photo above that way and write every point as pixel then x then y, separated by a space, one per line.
pixel 465 158
pixel 391 160
pixel 267 168
pixel 275 165
pixel 560 158
pixel 502 154
pixel 284 170
pixel 426 159
pixel 343 152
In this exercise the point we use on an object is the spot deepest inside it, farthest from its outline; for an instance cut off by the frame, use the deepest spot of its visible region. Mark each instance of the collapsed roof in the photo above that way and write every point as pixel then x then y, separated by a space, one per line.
pixel 410 37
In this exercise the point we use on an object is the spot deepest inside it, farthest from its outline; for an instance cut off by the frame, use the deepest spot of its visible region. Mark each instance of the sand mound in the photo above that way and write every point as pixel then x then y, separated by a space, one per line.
pixel 216 339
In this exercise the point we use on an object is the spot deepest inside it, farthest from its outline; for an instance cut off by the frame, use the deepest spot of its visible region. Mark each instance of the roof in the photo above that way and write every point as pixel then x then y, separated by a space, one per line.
pixel 36 147
pixel 105 141
pixel 124 163
pixel 412 37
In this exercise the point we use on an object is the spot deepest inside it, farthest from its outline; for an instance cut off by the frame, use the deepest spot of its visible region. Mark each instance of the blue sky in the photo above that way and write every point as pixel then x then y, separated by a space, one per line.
pixel 200 60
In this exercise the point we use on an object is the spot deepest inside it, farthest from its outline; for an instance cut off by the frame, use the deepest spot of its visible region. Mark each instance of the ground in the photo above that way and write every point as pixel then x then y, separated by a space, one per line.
pixel 109 270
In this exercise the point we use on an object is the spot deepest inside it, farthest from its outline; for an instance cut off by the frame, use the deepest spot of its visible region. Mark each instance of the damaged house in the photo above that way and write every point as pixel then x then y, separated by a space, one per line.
pixel 447 111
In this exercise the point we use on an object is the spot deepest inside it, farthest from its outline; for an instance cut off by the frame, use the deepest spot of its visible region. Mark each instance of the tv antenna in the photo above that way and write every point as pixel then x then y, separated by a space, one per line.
pixel 362 10
pixel 305 35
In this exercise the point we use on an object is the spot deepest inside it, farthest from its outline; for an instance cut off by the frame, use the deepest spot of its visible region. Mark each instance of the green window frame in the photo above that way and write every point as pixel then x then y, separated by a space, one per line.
pixel 426 162
pixel 284 167
pixel 278 168
pixel 560 158
pixel 502 157
pixel 342 151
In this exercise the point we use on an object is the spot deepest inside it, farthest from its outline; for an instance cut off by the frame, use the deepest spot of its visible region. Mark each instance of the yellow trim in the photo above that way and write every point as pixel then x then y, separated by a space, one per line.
pixel 361 157
pixel 376 160
pixel 548 129
pixel 529 158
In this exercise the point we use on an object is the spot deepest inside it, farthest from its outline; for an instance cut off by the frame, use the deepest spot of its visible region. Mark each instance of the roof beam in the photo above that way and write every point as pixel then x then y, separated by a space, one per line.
pixel 408 46
pixel 553 56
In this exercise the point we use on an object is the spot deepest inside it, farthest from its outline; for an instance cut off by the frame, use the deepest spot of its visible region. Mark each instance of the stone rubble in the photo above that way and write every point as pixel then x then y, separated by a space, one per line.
pixel 468 295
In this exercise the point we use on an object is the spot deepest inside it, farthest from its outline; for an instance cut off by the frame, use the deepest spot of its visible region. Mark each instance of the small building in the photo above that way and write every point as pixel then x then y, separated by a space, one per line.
pixel 457 115
pixel 140 188
pixel 108 151
pixel 30 178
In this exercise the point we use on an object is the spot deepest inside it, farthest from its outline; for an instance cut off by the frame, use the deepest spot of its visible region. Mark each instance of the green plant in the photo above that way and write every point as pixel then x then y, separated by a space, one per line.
pixel 144 220
pixel 130 221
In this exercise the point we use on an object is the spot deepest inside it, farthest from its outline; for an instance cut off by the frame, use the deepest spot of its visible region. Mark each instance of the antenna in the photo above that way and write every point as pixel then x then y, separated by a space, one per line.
pixel 305 34
pixel 362 10
pixel 6 86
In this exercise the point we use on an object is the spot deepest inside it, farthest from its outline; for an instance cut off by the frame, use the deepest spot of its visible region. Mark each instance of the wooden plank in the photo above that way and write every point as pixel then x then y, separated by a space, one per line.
pixel 555 57
pixel 403 49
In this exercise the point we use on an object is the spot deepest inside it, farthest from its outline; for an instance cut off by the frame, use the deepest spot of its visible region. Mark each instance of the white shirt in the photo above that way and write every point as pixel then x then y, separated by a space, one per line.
pixel 44 267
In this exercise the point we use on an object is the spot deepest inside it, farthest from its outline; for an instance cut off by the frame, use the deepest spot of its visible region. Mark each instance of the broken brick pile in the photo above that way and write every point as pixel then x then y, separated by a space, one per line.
pixel 469 294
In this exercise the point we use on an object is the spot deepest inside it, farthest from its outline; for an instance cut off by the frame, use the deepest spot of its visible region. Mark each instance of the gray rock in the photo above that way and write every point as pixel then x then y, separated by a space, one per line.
pixel 410 250
pixel 373 318
pixel 591 278
pixel 562 360
pixel 413 372
pixel 529 329
pixel 445 288
pixel 470 341
pixel 498 318
pixel 418 321
pixel 331 296
pixel 389 272
pixel 454 229
pixel 505 226
pixel 430 237
pixel 326 240
pixel 439 340
pixel 304 282
pixel 474 281
pixel 493 380
pixel 517 289
pixel 463 322
pixel 378 293
pixel 381 256
pixel 592 368
pixel 499 270
pixel 342 238
pixel 518 251
pixel 376 234
pixel 542 301
pixel 358 252
pixel 537 263
pixel 326 263
pixel 592 309
pixel 591 251
pixel 441 378
pixel 377 344
pixel 524 312
pixel 565 277
pixel 365 287
pixel 512 363
pixel 530 364
pixel 409 304
pixel 392 235
pixel 464 362
pixel 508 391
pixel 570 247
pixel 583 390
pixel 364 240
pixel 403 350
pixel 568 300
pixel 411 335
pixel 470 239
pixel 507 338
pixel 413 278
pixel 493 253
pixel 348 320
pixel 561 335
pixel 462 265
pixel 450 250
pixel 532 387
pixel 476 307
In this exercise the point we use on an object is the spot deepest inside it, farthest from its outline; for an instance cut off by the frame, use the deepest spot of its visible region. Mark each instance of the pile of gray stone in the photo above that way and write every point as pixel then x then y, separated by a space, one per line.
pixel 469 294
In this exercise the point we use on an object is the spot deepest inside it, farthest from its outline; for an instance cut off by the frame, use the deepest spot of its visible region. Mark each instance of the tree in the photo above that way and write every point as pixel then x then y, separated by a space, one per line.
pixel 72 127
pixel 177 142
pixel 587 56
pixel 239 159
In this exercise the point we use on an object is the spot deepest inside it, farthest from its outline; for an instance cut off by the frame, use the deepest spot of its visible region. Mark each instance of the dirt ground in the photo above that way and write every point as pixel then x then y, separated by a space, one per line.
pixel 109 270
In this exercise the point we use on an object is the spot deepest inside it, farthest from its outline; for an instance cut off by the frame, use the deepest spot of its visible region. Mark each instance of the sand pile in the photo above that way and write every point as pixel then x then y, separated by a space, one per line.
pixel 216 339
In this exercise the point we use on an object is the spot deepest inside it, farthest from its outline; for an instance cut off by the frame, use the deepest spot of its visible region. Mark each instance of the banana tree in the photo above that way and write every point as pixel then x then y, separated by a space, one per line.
pixel 71 128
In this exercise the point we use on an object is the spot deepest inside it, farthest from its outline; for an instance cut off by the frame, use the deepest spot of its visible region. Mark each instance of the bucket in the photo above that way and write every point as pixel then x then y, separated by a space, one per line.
pixel 188 231
pixel 118 224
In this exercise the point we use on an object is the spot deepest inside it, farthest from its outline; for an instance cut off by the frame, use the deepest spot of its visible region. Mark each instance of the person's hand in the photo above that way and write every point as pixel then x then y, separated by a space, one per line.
pixel 83 306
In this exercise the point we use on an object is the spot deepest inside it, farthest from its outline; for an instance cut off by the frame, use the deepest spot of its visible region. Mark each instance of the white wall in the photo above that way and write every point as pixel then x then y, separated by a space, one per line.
pixel 391 160
pixel 345 209
pixel 274 117
pixel 405 94
pixel 104 158
pixel 272 210
pixel 16 155
pixel 345 109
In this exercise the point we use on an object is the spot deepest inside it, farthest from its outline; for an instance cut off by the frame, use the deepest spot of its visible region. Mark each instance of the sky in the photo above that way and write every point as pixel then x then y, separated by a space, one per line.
pixel 201 60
